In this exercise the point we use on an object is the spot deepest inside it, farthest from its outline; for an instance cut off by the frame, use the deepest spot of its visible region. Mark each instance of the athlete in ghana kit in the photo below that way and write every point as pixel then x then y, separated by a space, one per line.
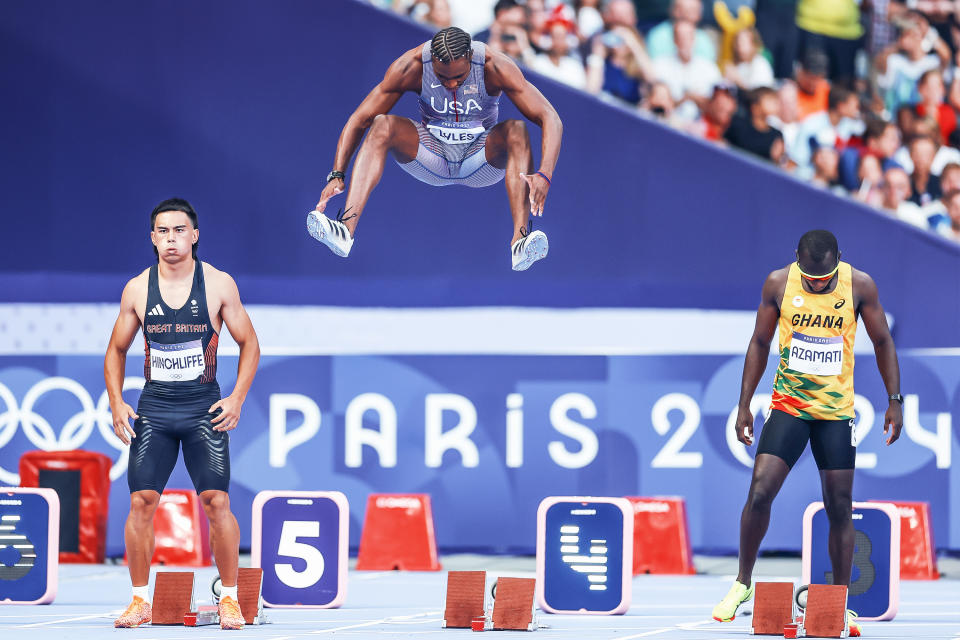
pixel 814 303
pixel 456 141
pixel 181 304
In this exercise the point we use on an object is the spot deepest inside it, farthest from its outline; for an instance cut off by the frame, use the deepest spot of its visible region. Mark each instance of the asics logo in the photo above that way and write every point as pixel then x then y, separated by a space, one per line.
pixel 76 429
pixel 840 304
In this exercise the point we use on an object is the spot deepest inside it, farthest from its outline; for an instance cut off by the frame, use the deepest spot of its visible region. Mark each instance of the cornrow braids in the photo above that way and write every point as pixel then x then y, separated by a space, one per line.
pixel 450 44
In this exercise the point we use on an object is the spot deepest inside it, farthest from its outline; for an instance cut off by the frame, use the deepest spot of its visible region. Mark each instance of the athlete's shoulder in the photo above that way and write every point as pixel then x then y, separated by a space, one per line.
pixel 863 286
pixel 217 279
pixel 406 72
pixel 139 282
pixel 775 284
pixel 500 71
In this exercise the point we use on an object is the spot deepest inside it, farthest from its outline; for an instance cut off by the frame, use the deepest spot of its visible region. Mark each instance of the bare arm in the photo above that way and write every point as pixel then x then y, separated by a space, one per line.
pixel 114 363
pixel 503 73
pixel 874 320
pixel 758 350
pixel 238 323
pixel 403 75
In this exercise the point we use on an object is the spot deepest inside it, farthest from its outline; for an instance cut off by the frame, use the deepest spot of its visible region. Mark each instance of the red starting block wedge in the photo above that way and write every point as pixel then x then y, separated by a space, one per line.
pixel 181 530
pixel 513 606
pixel 772 608
pixel 661 536
pixel 172 597
pixel 398 534
pixel 826 613
pixel 918 556
pixel 82 482
pixel 466 599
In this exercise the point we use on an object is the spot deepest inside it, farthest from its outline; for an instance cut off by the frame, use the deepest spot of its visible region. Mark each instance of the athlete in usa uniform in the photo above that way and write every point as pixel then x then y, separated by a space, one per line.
pixel 815 304
pixel 181 304
pixel 456 141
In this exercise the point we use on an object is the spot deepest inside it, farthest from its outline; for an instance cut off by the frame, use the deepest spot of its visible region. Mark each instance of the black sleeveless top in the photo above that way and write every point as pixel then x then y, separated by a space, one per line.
pixel 180 345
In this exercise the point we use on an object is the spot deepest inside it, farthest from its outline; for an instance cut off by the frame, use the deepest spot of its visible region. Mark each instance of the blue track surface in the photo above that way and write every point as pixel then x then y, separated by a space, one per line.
pixel 393 604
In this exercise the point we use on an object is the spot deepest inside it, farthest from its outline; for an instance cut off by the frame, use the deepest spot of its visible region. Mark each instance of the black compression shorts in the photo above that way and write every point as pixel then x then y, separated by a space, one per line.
pixel 171 414
pixel 831 441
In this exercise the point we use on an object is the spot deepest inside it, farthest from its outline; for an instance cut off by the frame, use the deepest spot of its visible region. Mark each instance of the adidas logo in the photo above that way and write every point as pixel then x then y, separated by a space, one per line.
pixel 156 311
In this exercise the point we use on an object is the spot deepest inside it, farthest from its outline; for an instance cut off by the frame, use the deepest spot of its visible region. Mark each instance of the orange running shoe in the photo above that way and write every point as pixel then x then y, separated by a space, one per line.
pixel 230 616
pixel 139 612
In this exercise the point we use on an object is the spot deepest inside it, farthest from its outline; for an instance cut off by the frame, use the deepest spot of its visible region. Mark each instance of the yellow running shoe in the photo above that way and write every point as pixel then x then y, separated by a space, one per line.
pixel 230 616
pixel 853 627
pixel 727 609
pixel 139 612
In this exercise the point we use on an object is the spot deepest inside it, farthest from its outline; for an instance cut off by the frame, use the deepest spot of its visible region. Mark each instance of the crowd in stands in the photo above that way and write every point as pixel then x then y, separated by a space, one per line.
pixel 859 97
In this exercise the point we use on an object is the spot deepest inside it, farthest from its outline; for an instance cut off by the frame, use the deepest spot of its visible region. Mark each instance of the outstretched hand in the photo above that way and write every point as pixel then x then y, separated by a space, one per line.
pixel 538 191
pixel 333 188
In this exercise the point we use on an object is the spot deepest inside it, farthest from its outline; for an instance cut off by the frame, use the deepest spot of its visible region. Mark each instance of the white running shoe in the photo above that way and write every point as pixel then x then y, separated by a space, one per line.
pixel 528 250
pixel 332 233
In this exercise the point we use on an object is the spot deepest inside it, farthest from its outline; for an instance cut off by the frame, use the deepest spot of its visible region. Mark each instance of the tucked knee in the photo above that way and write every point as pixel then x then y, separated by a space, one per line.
pixel 381 131
pixel 517 134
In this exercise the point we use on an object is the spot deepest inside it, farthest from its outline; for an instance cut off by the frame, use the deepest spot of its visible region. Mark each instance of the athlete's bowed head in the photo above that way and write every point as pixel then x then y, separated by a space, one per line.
pixel 456 141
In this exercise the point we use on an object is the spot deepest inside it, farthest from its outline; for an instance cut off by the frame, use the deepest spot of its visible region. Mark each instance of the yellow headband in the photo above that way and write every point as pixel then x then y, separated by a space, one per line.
pixel 823 277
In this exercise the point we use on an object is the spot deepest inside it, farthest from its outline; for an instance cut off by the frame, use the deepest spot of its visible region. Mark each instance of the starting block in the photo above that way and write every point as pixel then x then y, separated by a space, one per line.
pixel 249 583
pixel 466 599
pixel 29 545
pixel 918 556
pixel 661 536
pixel 398 534
pixel 825 615
pixel 172 596
pixel 513 606
pixel 772 608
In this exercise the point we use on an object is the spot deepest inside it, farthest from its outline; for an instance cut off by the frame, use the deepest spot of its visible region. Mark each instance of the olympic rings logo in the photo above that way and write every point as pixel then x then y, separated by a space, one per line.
pixel 75 431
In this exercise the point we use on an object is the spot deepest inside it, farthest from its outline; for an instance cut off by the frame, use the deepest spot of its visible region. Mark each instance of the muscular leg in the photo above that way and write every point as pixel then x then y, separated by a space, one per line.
pixel 837 485
pixel 508 147
pixel 138 535
pixel 224 534
pixel 387 133
pixel 769 472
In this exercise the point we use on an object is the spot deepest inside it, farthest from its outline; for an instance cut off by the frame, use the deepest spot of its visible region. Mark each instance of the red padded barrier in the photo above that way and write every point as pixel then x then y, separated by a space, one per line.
pixel 398 534
pixel 661 536
pixel 918 556
pixel 94 471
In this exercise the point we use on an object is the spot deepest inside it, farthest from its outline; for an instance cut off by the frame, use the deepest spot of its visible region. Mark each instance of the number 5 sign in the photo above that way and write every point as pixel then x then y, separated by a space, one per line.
pixel 300 540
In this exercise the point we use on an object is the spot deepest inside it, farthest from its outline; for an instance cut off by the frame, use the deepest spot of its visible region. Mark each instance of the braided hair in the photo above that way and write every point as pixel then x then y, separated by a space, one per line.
pixel 450 44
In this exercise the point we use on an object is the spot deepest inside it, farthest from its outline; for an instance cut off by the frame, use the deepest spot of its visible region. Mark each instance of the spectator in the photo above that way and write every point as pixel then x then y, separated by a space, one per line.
pixel 936 211
pixel 537 18
pixel 902 64
pixel 813 87
pixel 752 132
pixel 690 79
pixel 433 12
pixel 896 194
pixel 472 15
pixel 659 105
pixel 832 26
pixel 509 17
pixel 777 24
pixel 717 115
pixel 834 127
pixel 825 174
pixel 661 39
pixel 749 69
pixel 557 62
pixel 786 121
pixel 925 185
pixel 589 19
pixel 870 180
pixel 881 140
pixel 619 13
pixel 618 64
pixel 927 127
pixel 932 91
pixel 949 226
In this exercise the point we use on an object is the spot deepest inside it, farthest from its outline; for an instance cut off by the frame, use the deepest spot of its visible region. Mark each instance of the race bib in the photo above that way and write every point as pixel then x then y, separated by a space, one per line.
pixel 817 356
pixel 176 362
pixel 456 132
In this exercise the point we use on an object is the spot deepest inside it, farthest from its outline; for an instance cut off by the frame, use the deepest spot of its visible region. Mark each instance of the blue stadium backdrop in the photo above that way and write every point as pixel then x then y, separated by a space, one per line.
pixel 425 364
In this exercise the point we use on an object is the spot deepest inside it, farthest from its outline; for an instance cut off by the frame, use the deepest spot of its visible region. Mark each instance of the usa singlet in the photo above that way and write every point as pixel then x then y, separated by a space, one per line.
pixel 180 345
pixel 814 380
